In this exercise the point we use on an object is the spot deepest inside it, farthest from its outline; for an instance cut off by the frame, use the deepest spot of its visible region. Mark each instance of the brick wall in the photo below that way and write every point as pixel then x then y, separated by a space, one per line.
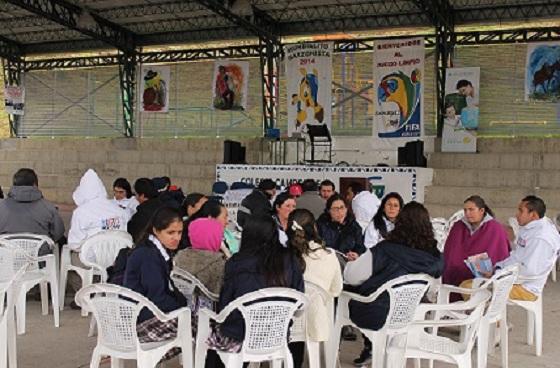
pixel 59 163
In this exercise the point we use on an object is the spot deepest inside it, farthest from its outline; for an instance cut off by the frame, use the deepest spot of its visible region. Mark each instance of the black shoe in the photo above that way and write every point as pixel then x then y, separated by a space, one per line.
pixel 74 306
pixel 363 359
pixel 348 334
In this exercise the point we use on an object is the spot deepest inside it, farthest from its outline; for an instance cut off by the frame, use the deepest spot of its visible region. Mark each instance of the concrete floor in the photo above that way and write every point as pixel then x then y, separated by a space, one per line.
pixel 68 346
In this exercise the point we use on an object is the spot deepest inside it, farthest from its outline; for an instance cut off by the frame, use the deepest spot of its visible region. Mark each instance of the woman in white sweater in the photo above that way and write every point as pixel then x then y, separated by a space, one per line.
pixel 321 267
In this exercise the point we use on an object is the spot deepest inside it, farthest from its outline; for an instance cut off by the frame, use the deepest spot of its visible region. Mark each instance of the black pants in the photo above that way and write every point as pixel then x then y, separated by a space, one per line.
pixel 296 348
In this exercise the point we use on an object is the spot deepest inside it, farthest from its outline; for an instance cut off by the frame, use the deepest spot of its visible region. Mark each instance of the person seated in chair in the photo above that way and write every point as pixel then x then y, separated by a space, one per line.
pixel 538 243
pixel 410 248
pixel 148 270
pixel 261 262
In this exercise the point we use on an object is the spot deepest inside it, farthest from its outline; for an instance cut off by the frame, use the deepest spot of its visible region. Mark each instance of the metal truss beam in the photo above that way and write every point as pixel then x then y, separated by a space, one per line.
pixel 81 20
pixel 10 50
pixel 127 78
pixel 269 76
pixel 440 11
pixel 507 36
pixel 256 28
pixel 12 70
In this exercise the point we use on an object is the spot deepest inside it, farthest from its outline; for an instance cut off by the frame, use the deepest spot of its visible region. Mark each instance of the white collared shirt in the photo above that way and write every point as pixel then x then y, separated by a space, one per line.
pixel 160 247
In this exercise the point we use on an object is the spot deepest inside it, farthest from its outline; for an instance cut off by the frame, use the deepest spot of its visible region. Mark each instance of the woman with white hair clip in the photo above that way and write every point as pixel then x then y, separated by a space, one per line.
pixel 321 267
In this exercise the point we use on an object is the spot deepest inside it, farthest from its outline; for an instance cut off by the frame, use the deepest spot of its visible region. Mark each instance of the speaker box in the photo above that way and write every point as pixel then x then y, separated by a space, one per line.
pixel 401 157
pixel 231 152
pixel 415 154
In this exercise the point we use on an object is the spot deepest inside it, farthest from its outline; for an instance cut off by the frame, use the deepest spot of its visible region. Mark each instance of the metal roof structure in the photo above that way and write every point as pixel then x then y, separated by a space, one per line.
pixel 40 26
pixel 126 29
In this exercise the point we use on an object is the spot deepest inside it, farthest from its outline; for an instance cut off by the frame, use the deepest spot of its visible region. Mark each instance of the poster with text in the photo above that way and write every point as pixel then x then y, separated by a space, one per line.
pixel 461 111
pixel 398 72
pixel 154 88
pixel 229 85
pixel 309 78
pixel 542 75
pixel 14 99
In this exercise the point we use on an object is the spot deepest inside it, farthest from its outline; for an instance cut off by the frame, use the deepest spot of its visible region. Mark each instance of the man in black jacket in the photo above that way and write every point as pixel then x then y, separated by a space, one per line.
pixel 147 196
pixel 258 202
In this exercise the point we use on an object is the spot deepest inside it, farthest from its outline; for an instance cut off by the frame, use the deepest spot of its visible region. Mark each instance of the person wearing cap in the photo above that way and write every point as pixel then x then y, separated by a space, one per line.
pixel 257 202
pixel 310 199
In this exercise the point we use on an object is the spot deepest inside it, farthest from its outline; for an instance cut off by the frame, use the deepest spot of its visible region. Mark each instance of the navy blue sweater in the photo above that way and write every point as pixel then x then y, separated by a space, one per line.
pixel 242 276
pixel 147 273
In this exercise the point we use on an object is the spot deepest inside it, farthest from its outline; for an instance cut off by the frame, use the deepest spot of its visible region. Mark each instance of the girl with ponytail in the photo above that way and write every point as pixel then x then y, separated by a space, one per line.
pixel 321 267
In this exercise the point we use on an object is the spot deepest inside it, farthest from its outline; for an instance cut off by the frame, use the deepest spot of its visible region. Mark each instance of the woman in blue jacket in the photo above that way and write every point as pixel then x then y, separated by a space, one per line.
pixel 148 269
pixel 261 262
pixel 409 249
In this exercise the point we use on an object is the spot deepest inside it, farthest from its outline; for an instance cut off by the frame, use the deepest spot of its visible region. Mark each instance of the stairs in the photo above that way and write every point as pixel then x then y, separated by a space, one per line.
pixel 504 171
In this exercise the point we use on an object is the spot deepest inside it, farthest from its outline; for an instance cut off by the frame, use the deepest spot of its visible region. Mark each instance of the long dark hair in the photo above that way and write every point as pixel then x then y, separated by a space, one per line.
pixel 479 203
pixel 160 220
pixel 123 183
pixel 413 228
pixel 298 239
pixel 378 218
pixel 260 239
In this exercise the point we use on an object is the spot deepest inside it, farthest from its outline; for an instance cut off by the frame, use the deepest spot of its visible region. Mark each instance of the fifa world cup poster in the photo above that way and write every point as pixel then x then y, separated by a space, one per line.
pixel 398 72
pixel 230 85
pixel 309 85
pixel 154 88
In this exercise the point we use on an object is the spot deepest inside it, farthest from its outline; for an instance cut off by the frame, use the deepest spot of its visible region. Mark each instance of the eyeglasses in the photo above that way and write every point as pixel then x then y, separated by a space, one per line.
pixel 336 209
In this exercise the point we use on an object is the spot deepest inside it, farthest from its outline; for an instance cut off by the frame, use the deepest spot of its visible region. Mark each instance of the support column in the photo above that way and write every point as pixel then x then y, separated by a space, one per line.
pixel 127 78
pixel 444 50
pixel 12 77
pixel 269 76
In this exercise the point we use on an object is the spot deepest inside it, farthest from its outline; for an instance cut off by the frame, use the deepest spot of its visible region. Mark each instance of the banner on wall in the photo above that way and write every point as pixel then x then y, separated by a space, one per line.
pixel 154 87
pixel 14 99
pixel 542 75
pixel 230 85
pixel 309 79
pixel 398 72
pixel 461 114
pixel 381 179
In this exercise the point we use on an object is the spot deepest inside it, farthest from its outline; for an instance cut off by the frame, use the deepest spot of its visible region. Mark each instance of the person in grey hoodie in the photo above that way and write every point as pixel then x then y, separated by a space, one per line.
pixel 25 209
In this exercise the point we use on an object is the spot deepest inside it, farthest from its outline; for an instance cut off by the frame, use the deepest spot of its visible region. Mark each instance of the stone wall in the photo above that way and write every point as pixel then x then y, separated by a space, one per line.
pixel 59 163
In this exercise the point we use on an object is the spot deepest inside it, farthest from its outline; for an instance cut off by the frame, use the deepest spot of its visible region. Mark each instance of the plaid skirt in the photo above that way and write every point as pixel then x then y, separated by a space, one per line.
pixel 154 330
pixel 218 341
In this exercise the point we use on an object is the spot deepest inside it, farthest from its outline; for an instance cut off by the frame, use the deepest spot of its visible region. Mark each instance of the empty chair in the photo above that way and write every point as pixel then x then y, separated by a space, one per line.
pixel 534 312
pixel 267 314
pixel 97 252
pixel 41 270
pixel 405 293
pixel 419 344
pixel 116 311
pixel 500 285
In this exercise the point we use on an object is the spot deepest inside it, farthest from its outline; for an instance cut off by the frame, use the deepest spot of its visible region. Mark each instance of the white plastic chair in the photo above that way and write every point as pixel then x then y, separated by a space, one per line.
pixel 116 311
pixel 267 314
pixel 421 344
pixel 405 293
pixel 298 332
pixel 97 252
pixel 534 312
pixel 453 219
pixel 9 284
pixel 439 224
pixel 187 283
pixel 23 238
pixel 34 275
pixel 496 312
